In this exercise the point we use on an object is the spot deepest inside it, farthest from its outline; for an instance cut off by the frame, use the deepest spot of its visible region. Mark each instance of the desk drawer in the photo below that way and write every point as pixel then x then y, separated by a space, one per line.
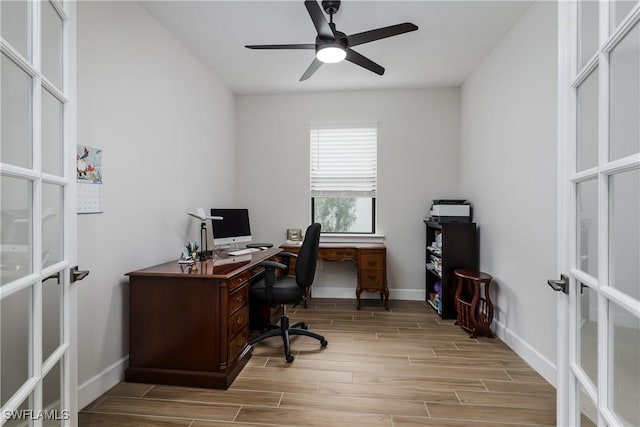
pixel 372 261
pixel 372 280
pixel 238 280
pixel 237 345
pixel 338 254
pixel 239 322
pixel 238 298
pixel 255 272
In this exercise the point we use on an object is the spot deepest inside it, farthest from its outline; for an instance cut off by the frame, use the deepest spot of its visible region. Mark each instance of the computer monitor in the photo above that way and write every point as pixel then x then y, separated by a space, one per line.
pixel 233 228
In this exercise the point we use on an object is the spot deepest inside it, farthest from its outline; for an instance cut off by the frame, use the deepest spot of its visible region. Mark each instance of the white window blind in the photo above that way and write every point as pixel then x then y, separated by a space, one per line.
pixel 344 161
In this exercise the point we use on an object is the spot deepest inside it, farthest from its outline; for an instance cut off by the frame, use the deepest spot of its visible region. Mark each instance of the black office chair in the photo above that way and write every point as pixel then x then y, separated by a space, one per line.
pixel 289 290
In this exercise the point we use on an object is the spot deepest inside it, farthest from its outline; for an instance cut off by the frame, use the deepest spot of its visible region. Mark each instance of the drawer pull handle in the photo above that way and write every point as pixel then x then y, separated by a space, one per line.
pixel 240 344
pixel 240 321
pixel 372 276
pixel 239 298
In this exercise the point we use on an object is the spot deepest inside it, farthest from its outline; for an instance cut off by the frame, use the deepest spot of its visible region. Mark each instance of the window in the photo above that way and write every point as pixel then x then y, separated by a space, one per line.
pixel 344 178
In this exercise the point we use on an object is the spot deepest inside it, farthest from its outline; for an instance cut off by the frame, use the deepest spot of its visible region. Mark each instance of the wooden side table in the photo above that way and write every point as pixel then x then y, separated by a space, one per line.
pixel 475 312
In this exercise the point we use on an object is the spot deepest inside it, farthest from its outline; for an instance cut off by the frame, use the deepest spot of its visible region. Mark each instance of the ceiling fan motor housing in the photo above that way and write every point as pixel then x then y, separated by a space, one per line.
pixel 334 50
pixel 331 6
pixel 340 41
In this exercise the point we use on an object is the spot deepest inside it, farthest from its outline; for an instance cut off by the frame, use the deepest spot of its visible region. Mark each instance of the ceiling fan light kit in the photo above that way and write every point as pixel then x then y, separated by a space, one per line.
pixel 333 46
pixel 331 54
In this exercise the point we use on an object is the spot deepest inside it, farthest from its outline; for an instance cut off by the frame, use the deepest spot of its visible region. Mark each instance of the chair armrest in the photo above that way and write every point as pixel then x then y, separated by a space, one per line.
pixel 288 254
pixel 272 265
pixel 270 274
pixel 287 260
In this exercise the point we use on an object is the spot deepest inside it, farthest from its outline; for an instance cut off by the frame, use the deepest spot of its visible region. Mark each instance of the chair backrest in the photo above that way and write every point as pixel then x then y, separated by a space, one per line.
pixel 308 256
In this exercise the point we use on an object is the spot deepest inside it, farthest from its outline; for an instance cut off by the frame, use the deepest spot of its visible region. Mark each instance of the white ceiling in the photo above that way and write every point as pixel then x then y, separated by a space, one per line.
pixel 452 39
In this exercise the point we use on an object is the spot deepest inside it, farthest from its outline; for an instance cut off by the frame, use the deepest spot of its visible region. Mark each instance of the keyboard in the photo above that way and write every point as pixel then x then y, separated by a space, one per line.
pixel 243 251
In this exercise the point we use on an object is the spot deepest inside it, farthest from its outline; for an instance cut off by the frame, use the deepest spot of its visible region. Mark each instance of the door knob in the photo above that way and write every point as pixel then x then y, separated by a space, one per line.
pixel 54 276
pixel 78 274
pixel 561 285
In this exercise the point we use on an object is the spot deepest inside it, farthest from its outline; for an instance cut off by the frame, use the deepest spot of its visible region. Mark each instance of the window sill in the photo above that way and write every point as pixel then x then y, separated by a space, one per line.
pixel 352 238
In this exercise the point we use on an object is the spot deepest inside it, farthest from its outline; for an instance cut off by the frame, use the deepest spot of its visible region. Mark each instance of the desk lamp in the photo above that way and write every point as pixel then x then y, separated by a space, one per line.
pixel 200 214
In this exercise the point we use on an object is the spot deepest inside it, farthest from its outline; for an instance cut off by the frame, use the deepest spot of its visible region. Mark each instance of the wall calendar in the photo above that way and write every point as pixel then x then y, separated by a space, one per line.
pixel 89 178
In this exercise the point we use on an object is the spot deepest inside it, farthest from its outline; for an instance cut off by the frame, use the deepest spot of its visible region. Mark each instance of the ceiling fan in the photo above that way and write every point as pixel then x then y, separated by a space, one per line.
pixel 333 46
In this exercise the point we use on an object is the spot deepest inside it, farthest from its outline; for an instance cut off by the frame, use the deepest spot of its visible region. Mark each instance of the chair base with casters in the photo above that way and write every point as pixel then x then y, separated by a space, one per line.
pixel 285 289
pixel 285 330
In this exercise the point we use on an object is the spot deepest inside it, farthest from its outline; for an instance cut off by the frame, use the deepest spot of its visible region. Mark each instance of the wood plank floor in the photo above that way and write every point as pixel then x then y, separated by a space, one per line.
pixel 399 368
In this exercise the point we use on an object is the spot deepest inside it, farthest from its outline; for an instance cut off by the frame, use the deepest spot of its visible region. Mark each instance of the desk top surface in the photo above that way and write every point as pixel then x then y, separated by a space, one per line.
pixel 222 267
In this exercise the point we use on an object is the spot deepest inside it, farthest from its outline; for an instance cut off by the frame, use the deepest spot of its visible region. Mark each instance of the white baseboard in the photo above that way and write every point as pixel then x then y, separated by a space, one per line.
pixel 95 386
pixel 533 357
pixel 349 293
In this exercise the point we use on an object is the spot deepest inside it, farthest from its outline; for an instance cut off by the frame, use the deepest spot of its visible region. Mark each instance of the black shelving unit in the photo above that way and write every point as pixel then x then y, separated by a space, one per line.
pixel 458 250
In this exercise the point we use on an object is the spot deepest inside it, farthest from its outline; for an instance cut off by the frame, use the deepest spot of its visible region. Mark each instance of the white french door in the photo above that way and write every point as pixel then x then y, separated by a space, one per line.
pixel 599 213
pixel 37 165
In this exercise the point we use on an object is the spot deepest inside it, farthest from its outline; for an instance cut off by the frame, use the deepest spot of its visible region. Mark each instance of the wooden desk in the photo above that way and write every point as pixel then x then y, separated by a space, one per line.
pixel 370 259
pixel 190 326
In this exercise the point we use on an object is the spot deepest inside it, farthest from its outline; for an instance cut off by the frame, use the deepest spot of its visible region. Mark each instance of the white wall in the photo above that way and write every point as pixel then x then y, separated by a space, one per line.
pixel 508 169
pixel 418 160
pixel 165 123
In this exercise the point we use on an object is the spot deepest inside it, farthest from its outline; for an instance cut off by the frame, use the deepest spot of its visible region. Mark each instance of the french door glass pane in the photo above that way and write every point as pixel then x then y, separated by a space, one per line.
pixel 51 397
pixel 588 411
pixel 619 9
pixel 52 231
pixel 16 25
pixel 51 134
pixel 625 96
pixel 587 232
pixel 588 324
pixel 16 231
pixel 625 342
pixel 588 28
pixel 16 115
pixel 587 144
pixel 51 44
pixel 624 229
pixel 15 330
pixel 51 316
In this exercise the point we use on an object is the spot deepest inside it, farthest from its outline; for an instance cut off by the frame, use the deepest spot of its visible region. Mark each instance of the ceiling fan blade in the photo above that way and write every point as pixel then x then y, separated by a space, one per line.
pixel 281 46
pixel 380 33
pixel 356 58
pixel 319 21
pixel 312 69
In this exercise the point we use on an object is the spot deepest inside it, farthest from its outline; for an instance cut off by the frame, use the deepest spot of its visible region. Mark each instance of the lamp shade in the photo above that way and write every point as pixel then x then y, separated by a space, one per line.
pixel 200 214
